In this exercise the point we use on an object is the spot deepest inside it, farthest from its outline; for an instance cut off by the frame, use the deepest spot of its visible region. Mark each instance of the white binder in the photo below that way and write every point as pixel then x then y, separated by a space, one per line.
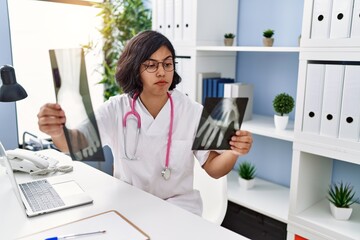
pixel 188 86
pixel 178 19
pixel 228 90
pixel 169 19
pixel 187 20
pixel 333 85
pixel 355 24
pixel 313 98
pixel 321 19
pixel 341 18
pixel 350 110
pixel 160 9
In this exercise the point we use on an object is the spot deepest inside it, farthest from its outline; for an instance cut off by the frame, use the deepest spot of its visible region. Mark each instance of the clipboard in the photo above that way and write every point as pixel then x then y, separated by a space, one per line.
pixel 116 227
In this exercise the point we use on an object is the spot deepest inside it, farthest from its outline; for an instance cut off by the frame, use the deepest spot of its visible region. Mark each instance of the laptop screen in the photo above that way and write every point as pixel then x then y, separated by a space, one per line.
pixel 10 174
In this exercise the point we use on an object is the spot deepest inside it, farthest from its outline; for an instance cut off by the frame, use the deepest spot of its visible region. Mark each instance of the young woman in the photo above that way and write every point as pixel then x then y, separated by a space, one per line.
pixel 151 127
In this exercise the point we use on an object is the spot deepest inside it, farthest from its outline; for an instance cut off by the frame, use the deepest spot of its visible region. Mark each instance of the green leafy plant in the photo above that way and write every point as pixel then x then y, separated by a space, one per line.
pixel 247 170
pixel 268 33
pixel 229 35
pixel 122 19
pixel 283 103
pixel 341 195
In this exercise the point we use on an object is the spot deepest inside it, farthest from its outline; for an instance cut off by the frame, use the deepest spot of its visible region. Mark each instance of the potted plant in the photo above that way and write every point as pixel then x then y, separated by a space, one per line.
pixel 268 39
pixel 246 172
pixel 229 39
pixel 283 104
pixel 121 21
pixel 341 197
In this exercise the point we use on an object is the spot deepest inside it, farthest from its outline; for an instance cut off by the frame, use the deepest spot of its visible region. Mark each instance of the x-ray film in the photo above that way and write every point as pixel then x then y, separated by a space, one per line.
pixel 72 93
pixel 220 118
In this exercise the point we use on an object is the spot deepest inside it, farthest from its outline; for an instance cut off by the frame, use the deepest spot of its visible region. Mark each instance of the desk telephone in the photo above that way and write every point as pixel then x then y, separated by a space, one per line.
pixel 29 161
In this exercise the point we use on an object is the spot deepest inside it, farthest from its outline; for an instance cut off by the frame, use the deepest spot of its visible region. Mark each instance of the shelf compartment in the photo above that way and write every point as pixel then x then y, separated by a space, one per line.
pixel 267 198
pixel 264 126
pixel 309 207
pixel 318 220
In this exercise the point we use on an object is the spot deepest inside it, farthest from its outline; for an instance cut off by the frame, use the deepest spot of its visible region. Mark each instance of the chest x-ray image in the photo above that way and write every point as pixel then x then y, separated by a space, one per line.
pixel 72 93
pixel 220 118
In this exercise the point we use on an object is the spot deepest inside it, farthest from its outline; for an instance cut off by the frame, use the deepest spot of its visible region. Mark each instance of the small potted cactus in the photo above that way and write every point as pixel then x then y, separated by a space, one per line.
pixel 247 172
pixel 341 197
pixel 229 39
pixel 268 39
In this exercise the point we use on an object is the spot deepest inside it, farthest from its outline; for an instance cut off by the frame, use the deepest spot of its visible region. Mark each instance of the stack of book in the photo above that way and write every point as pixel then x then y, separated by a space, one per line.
pixel 211 84
pixel 214 87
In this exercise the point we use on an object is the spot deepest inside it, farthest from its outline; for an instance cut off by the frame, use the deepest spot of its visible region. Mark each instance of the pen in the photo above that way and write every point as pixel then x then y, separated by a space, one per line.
pixel 75 235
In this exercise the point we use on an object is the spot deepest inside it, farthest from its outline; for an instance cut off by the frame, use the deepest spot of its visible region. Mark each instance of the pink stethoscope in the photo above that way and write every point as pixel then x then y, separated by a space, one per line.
pixel 166 172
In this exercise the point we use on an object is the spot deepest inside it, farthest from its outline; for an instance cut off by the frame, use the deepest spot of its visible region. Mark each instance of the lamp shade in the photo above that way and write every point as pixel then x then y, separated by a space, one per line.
pixel 10 90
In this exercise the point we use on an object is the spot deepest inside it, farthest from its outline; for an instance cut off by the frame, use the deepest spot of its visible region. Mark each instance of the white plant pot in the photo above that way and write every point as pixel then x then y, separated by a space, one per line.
pixel 340 213
pixel 281 121
pixel 228 41
pixel 246 184
pixel 268 42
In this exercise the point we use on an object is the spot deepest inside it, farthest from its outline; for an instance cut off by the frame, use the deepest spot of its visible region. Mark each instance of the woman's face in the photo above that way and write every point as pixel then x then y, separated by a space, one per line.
pixel 157 72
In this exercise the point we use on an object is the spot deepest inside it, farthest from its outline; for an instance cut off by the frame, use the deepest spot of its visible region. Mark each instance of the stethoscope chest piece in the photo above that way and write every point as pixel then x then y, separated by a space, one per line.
pixel 166 173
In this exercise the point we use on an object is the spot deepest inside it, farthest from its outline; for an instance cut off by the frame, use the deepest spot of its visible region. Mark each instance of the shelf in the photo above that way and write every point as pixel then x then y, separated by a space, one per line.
pixel 264 126
pixel 334 148
pixel 319 219
pixel 248 49
pixel 266 198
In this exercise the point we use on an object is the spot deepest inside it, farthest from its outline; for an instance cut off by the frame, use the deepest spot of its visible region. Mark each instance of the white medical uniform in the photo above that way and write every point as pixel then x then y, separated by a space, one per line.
pixel 145 171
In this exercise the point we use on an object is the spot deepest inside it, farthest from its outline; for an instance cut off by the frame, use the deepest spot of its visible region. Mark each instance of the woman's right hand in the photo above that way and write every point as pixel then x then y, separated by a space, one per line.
pixel 51 119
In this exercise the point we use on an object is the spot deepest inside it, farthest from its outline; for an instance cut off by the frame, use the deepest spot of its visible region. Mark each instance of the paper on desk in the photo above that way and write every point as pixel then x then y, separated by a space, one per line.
pixel 116 226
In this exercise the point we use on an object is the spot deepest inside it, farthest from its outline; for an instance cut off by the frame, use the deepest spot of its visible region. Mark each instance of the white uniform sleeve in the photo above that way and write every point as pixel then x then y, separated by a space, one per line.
pixel 106 123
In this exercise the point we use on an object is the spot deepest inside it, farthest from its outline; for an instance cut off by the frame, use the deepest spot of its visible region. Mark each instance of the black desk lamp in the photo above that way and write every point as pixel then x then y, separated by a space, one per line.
pixel 10 91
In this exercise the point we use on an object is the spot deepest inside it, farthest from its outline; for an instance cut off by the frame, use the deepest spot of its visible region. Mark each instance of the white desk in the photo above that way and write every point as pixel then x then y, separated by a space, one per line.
pixel 157 218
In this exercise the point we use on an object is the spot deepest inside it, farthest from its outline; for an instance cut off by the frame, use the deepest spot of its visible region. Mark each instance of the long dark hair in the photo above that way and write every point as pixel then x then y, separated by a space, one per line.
pixel 138 50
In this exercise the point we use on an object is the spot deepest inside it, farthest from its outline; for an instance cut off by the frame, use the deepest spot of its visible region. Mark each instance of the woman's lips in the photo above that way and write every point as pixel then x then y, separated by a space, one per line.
pixel 161 83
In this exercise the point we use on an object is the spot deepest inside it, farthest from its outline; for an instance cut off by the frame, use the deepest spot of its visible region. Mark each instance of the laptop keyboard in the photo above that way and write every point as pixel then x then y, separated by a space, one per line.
pixel 41 195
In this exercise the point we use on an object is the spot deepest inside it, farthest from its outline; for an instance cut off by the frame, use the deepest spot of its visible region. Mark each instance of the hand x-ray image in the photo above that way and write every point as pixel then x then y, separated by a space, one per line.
pixel 72 93
pixel 220 118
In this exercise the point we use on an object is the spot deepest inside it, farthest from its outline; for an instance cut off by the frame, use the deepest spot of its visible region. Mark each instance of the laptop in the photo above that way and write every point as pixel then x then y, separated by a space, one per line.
pixel 45 195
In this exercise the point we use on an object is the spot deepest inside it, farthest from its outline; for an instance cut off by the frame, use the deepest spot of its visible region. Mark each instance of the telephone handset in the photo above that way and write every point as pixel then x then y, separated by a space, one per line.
pixel 29 161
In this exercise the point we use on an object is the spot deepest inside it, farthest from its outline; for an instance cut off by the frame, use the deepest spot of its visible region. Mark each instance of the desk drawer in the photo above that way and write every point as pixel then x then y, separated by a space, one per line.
pixel 252 224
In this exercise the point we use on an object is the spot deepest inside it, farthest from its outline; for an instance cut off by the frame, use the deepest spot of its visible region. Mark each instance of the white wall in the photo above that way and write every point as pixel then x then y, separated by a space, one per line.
pixel 36 27
pixel 8 128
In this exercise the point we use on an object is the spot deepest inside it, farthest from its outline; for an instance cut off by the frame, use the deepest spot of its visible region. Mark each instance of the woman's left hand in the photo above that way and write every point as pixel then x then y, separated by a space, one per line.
pixel 241 142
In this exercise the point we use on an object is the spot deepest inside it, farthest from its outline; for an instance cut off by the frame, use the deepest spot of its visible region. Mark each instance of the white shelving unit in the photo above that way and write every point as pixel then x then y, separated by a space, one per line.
pixel 313 153
pixel 206 53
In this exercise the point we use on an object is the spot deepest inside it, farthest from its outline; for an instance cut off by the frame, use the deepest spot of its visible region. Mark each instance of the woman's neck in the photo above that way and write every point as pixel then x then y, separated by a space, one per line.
pixel 153 103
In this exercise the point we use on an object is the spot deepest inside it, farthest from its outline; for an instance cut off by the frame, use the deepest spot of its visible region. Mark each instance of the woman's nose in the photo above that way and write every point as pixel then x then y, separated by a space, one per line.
pixel 161 70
